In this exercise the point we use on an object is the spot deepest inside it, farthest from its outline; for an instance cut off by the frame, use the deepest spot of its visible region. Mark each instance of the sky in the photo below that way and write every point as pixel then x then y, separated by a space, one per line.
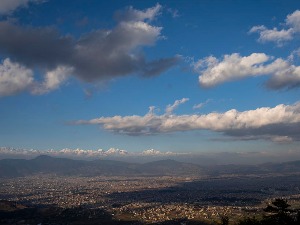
pixel 174 76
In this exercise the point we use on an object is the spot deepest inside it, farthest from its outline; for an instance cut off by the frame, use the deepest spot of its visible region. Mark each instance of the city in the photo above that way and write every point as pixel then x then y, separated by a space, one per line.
pixel 154 199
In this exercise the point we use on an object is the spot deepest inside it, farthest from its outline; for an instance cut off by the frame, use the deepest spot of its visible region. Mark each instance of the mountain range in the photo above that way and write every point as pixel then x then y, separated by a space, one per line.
pixel 44 164
pixel 63 166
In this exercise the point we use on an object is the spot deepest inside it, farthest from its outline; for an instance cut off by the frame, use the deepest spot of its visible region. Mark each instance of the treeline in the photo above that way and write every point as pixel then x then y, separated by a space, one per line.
pixel 277 213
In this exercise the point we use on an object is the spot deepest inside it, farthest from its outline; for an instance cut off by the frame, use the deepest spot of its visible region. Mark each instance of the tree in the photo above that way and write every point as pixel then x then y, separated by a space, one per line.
pixel 250 221
pixel 279 213
pixel 278 206
pixel 224 220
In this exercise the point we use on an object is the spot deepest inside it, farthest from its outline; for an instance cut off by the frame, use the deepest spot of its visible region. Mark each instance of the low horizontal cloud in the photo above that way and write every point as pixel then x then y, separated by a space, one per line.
pixel 213 71
pixel 82 153
pixel 279 123
pixel 279 36
pixel 96 56
pixel 154 152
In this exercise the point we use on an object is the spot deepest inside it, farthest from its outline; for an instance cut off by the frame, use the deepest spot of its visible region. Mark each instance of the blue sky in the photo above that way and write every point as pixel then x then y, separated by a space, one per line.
pixel 221 75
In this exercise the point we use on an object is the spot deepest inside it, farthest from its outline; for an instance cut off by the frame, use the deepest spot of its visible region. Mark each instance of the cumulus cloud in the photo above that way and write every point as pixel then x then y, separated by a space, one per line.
pixel 293 20
pixel 285 78
pixel 14 78
pixel 99 55
pixel 273 35
pixel 278 123
pixel 53 79
pixel 8 6
pixel 276 35
pixel 215 71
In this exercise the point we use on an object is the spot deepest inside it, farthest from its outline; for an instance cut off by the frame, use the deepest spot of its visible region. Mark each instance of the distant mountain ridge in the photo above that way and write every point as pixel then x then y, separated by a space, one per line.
pixel 44 164
pixel 63 166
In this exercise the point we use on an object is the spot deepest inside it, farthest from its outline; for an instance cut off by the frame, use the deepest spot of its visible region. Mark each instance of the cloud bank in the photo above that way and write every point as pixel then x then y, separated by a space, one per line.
pixel 202 158
pixel 96 56
pixel 82 153
pixel 280 123
pixel 213 71
pixel 292 22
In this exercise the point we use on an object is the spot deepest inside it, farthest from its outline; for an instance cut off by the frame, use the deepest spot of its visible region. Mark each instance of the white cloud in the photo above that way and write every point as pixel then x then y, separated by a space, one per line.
pixel 261 123
pixel 281 139
pixel 233 67
pixel 8 6
pixel 171 108
pixel 132 14
pixel 294 55
pixel 293 20
pixel 233 119
pixel 200 105
pixel 115 151
pixel 285 78
pixel 53 79
pixel 138 33
pixel 87 153
pixel 154 152
pixel 14 78
pixel 151 152
pixel 276 35
pixel 82 153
